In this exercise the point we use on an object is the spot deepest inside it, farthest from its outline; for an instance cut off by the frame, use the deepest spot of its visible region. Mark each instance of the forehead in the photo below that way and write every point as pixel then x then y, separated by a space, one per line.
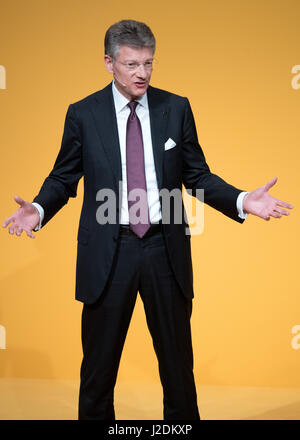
pixel 135 53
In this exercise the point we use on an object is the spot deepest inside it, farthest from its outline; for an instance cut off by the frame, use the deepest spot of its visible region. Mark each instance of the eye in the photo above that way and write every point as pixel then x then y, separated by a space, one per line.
pixel 131 65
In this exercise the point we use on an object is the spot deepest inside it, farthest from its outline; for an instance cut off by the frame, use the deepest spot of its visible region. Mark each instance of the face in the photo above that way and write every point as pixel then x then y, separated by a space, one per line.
pixel 131 83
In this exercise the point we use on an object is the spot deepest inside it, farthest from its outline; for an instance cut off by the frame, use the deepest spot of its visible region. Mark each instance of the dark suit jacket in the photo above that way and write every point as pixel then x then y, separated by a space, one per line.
pixel 90 148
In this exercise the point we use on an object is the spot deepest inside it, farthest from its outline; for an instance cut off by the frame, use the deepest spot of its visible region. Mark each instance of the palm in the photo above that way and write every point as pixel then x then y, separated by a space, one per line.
pixel 260 203
pixel 25 218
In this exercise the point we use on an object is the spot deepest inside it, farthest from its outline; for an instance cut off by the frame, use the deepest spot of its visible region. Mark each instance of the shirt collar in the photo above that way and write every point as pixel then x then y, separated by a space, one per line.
pixel 121 102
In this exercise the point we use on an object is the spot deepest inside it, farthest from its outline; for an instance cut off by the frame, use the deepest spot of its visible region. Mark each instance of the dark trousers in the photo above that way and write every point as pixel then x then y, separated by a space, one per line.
pixel 141 265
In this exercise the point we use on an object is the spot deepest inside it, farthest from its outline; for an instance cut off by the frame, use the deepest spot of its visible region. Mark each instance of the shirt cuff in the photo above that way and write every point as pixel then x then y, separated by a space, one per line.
pixel 239 205
pixel 41 212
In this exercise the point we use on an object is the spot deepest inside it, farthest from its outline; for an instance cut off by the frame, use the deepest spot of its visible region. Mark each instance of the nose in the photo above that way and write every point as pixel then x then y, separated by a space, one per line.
pixel 141 71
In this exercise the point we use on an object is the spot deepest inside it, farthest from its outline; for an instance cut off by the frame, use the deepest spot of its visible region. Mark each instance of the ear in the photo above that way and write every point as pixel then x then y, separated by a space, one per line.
pixel 108 63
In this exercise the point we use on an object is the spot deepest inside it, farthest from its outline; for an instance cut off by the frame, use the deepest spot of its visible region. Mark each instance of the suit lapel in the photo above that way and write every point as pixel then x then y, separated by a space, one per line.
pixel 106 124
pixel 158 111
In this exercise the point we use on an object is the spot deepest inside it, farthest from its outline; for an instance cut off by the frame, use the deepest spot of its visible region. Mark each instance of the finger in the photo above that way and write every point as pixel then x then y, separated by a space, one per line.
pixel 281 211
pixel 275 214
pixel 19 231
pixel 19 200
pixel 29 233
pixel 8 221
pixel 12 228
pixel 271 183
pixel 284 204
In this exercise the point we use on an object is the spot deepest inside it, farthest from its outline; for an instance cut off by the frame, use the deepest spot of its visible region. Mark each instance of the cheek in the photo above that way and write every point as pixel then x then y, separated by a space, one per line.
pixel 118 73
pixel 149 75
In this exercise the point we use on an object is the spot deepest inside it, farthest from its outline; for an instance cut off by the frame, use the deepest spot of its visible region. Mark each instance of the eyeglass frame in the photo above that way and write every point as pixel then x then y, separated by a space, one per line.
pixel 137 65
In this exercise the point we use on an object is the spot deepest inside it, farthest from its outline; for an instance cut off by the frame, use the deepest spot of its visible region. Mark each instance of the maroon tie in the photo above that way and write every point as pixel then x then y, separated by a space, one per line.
pixel 139 220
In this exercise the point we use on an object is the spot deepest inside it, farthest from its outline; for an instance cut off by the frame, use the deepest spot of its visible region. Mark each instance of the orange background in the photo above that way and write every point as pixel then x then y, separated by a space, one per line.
pixel 233 60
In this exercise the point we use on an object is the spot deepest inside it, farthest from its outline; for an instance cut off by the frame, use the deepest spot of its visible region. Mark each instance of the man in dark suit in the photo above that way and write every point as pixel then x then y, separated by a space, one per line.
pixel 145 139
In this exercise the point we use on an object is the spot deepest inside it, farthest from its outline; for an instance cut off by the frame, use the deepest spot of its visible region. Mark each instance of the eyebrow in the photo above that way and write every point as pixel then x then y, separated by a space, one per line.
pixel 135 61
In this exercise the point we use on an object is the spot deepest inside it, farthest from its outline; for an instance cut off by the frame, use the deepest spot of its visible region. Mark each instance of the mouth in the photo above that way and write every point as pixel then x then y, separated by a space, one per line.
pixel 140 84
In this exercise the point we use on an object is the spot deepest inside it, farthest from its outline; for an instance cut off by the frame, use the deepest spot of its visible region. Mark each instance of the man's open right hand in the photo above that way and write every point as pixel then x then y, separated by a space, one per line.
pixel 26 218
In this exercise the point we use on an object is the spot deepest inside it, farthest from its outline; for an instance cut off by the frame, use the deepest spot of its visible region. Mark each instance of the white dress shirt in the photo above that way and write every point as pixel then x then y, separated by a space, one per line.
pixel 142 111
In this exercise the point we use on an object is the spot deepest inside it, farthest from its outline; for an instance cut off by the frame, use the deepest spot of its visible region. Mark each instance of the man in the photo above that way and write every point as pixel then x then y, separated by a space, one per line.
pixel 146 138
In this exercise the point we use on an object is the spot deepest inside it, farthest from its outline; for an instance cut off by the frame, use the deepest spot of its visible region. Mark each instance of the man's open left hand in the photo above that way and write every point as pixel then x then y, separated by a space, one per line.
pixel 260 203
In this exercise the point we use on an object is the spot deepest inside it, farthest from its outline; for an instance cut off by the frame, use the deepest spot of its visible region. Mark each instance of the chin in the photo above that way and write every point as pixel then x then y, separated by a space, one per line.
pixel 141 91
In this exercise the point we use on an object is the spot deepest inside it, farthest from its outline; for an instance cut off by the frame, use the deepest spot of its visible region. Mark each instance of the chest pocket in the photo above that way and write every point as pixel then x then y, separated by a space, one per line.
pixel 173 162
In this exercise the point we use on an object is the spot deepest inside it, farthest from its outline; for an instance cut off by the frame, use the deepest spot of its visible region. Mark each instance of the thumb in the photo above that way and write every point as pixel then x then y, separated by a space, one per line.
pixel 270 183
pixel 19 200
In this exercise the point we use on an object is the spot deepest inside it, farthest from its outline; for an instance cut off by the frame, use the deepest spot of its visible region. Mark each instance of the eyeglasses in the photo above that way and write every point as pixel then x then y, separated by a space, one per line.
pixel 134 65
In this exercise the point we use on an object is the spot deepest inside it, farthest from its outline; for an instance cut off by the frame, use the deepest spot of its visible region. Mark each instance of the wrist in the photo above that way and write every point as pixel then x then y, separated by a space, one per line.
pixel 245 204
pixel 240 205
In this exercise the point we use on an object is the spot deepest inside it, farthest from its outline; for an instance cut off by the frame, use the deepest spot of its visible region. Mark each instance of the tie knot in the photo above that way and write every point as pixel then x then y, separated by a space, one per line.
pixel 132 105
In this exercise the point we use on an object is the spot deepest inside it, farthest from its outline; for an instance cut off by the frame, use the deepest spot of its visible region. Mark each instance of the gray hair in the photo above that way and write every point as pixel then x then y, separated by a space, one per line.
pixel 128 33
